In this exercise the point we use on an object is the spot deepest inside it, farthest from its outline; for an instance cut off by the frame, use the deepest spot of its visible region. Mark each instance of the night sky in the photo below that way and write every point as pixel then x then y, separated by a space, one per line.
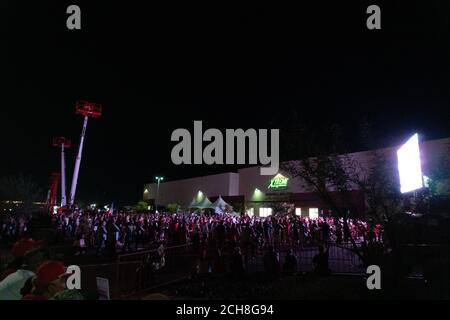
pixel 156 68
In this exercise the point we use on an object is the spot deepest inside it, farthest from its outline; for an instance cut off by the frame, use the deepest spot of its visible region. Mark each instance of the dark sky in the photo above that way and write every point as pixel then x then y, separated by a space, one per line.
pixel 159 67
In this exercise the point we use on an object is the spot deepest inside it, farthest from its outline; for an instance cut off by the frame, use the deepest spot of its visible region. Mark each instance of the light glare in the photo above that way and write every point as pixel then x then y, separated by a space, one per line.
pixel 409 165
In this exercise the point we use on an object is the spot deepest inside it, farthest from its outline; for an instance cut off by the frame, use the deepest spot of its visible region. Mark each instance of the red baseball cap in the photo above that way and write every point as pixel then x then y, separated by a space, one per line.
pixel 22 246
pixel 50 270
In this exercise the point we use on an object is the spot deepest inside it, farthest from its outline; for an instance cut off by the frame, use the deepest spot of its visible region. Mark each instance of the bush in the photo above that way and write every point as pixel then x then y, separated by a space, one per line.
pixel 173 207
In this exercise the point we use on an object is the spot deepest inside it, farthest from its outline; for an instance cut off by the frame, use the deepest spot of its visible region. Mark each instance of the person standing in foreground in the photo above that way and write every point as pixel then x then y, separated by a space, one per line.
pixel 11 285
pixel 50 280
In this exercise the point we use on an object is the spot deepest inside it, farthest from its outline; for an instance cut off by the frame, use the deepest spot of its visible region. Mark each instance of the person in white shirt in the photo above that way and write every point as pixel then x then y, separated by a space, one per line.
pixel 11 286
pixel 79 245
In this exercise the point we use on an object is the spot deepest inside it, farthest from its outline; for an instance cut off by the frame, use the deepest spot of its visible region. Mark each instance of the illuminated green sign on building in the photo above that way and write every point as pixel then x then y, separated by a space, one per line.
pixel 279 181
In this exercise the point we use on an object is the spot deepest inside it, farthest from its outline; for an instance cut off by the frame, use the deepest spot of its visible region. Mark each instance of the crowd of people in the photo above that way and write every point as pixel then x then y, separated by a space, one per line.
pixel 123 232
pixel 13 227
pixel 109 234
pixel 27 272
pixel 32 276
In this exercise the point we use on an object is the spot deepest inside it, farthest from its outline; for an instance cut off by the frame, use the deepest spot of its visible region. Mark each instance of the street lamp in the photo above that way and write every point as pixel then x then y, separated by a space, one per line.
pixel 159 179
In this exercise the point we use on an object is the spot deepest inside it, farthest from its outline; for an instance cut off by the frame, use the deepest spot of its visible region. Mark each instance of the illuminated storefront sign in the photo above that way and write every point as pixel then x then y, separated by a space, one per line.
pixel 279 181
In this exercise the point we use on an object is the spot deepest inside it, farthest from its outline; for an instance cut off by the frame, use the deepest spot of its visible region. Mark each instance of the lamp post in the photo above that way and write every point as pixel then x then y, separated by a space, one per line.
pixel 159 179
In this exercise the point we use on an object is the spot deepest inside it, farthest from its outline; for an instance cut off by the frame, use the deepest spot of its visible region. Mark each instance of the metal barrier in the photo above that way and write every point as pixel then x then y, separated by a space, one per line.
pixel 341 259
pixel 89 273
pixel 140 271
pixel 134 272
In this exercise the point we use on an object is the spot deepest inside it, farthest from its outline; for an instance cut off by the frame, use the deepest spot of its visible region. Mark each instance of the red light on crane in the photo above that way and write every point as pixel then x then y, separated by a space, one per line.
pixel 59 141
pixel 88 109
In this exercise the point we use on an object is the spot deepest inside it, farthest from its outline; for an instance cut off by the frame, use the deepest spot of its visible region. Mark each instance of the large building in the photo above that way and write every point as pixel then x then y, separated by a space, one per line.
pixel 247 190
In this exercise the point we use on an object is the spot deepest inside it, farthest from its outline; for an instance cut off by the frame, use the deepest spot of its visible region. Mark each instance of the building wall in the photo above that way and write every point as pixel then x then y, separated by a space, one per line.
pixel 432 153
pixel 233 189
pixel 254 188
pixel 183 191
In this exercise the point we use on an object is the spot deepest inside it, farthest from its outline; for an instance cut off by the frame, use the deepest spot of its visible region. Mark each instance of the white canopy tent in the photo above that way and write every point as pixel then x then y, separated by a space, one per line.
pixel 204 204
pixel 220 206
pixel 193 203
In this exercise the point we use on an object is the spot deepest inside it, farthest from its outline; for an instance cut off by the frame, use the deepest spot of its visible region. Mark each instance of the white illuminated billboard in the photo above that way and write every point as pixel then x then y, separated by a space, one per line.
pixel 409 165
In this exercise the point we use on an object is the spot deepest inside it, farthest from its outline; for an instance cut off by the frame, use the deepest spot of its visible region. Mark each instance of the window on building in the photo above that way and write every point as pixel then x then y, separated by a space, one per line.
pixel 250 212
pixel 298 211
pixel 265 212
pixel 313 213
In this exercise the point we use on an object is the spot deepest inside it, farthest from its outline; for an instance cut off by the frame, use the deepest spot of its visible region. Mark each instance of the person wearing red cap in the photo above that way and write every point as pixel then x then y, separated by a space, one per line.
pixel 50 280
pixel 22 246
pixel 16 276
pixel 18 250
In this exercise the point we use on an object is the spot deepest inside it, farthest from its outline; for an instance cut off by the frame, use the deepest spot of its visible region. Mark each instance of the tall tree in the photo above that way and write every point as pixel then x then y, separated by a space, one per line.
pixel 141 206
pixel 334 175
pixel 331 172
